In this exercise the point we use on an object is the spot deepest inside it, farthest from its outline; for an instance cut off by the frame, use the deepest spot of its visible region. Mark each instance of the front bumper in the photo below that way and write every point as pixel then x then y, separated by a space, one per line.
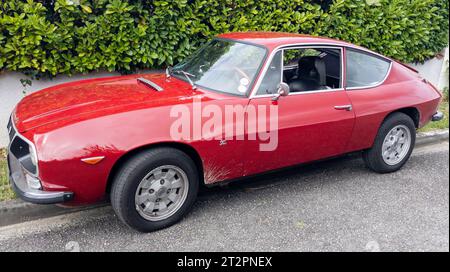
pixel 438 116
pixel 18 180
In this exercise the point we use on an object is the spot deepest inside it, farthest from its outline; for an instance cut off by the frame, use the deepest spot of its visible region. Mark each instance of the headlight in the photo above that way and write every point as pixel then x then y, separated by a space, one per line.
pixel 33 155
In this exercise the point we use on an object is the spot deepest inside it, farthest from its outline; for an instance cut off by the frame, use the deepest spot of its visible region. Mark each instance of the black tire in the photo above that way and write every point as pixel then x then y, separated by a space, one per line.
pixel 134 170
pixel 373 157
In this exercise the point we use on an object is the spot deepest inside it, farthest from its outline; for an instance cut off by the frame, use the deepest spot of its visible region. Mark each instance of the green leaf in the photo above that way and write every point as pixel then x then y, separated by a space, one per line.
pixel 72 36
pixel 86 9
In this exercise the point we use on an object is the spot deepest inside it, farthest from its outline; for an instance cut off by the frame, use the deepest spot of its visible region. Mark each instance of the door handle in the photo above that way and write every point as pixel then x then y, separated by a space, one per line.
pixel 344 107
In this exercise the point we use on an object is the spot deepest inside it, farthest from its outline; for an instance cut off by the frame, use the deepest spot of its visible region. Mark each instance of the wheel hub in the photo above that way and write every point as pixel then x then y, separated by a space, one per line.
pixel 396 145
pixel 161 192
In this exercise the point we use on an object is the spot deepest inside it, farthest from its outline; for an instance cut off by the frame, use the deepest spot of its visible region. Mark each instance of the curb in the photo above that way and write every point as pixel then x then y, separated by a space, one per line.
pixel 17 211
pixel 424 138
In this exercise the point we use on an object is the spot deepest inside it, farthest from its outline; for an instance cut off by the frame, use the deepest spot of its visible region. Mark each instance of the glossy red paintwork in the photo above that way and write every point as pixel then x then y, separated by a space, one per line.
pixel 114 116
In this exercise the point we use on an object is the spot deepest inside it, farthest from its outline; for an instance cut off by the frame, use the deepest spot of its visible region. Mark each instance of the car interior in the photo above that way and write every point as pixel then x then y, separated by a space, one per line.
pixel 312 69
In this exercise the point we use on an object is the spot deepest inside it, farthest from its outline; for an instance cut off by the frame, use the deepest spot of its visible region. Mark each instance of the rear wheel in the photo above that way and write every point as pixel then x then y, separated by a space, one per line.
pixel 393 144
pixel 155 189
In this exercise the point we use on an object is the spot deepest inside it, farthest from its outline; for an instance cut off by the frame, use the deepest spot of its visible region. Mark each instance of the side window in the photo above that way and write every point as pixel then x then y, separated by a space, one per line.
pixel 312 69
pixel 272 78
pixel 365 70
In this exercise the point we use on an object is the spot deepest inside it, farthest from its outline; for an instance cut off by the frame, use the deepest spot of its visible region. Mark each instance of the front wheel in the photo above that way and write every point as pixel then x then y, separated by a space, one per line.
pixel 393 144
pixel 155 189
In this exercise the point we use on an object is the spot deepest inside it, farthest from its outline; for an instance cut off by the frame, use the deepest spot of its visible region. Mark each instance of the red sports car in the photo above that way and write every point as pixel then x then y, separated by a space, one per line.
pixel 243 104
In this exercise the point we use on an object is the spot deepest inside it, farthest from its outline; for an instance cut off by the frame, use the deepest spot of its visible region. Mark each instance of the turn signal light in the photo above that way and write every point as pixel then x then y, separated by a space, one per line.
pixel 93 160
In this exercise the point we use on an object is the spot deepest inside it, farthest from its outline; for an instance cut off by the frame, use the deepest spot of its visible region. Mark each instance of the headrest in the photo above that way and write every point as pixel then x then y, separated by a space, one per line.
pixel 312 67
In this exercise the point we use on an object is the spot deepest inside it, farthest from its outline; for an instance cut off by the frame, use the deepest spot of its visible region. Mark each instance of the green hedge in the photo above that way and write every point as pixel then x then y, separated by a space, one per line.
pixel 72 36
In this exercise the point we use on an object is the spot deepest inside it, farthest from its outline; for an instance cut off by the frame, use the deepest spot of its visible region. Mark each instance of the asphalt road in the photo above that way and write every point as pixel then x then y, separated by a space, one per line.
pixel 337 205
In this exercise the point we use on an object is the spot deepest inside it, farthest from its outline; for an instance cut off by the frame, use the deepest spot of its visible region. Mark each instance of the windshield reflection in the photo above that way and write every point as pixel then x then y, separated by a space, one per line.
pixel 222 65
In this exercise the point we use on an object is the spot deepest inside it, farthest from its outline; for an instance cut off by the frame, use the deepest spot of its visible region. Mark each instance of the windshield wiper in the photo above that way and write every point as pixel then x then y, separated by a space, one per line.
pixel 168 69
pixel 188 77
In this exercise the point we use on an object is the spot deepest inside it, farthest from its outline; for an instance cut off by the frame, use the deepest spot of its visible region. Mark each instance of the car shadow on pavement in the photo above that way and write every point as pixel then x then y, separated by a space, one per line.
pixel 293 174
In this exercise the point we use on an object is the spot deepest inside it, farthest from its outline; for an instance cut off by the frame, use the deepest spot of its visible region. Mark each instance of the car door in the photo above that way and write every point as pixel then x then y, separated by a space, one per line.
pixel 367 85
pixel 308 125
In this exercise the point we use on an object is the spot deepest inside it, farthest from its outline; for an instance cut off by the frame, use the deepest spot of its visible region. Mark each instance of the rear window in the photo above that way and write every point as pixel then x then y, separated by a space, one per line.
pixel 364 70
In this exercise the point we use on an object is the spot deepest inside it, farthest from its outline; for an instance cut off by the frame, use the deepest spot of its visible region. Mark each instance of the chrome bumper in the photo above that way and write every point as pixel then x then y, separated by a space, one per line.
pixel 438 116
pixel 18 180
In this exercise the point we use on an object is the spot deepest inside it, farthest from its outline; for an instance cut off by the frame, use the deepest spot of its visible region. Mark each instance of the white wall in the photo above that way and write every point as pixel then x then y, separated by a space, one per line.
pixel 435 70
pixel 443 81
pixel 11 90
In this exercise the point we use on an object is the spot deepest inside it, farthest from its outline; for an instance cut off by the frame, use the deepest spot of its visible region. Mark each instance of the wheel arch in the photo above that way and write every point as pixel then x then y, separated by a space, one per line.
pixel 412 112
pixel 187 149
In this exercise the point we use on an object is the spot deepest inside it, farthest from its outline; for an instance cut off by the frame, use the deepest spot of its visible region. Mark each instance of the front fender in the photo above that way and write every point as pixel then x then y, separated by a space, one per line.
pixel 60 150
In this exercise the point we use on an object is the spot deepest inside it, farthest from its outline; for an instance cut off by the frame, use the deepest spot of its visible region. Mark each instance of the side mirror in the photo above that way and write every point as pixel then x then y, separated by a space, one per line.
pixel 283 90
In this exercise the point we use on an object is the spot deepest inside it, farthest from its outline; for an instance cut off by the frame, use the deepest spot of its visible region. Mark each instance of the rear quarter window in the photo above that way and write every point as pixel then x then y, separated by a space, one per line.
pixel 365 70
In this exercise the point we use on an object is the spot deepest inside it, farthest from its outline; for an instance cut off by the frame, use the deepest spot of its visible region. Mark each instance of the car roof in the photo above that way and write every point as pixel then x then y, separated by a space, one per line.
pixel 272 40
pixel 275 39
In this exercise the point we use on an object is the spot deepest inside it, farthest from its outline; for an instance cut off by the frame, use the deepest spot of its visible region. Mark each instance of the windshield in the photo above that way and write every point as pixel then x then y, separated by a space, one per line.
pixel 222 65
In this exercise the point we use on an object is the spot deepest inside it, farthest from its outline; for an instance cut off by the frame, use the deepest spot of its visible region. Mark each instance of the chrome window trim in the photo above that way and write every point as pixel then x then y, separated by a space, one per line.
pixel 358 88
pixel 17 134
pixel 297 46
pixel 282 65
pixel 301 93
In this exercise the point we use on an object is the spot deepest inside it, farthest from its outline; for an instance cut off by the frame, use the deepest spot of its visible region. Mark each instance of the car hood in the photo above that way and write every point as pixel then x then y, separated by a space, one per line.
pixel 98 95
